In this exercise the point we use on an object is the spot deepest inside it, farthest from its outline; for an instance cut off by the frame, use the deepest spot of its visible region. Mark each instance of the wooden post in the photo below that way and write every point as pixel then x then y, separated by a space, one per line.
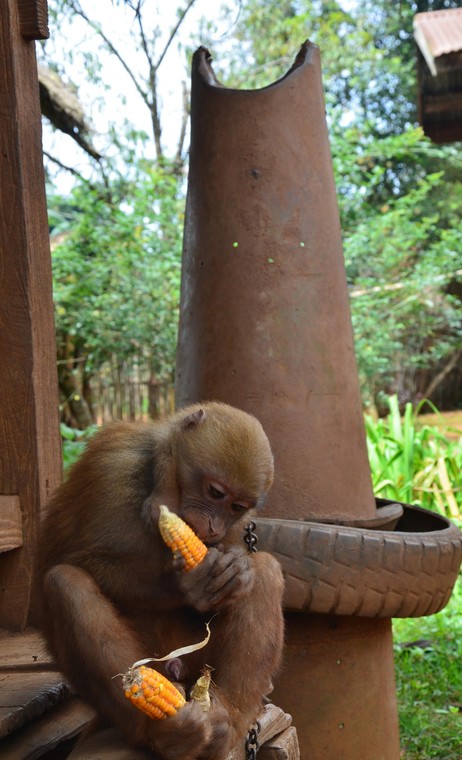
pixel 30 460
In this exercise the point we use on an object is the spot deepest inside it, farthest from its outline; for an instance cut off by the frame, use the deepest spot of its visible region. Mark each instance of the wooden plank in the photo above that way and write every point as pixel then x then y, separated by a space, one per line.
pixel 106 745
pixel 26 650
pixel 272 721
pixel 29 425
pixel 33 19
pixel 24 696
pixel 10 523
pixel 62 723
pixel 281 747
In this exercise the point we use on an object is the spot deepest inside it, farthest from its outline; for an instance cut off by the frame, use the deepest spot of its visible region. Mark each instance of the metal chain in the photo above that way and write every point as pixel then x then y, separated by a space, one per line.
pixel 250 537
pixel 252 746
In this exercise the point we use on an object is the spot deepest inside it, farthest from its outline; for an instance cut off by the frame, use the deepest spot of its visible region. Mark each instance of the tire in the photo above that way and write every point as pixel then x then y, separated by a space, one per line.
pixel 339 570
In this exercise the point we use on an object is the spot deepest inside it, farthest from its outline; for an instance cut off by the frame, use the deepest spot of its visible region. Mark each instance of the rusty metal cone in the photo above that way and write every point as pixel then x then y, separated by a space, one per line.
pixel 265 325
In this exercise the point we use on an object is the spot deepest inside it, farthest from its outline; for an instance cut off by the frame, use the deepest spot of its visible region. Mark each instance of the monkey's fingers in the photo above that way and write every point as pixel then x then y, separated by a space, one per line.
pixel 222 581
pixel 223 561
pixel 178 561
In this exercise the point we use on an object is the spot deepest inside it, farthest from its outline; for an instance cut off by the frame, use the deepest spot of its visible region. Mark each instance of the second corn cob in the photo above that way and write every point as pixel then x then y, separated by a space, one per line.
pixel 151 692
pixel 179 537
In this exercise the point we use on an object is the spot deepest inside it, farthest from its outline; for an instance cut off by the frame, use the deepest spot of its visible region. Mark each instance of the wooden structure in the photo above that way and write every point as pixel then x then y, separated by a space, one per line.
pixel 39 714
pixel 438 35
pixel 29 429
pixel 29 432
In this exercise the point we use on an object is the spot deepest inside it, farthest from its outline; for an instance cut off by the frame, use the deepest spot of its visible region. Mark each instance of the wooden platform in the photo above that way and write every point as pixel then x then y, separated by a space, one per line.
pixel 38 710
pixel 39 713
pixel 277 740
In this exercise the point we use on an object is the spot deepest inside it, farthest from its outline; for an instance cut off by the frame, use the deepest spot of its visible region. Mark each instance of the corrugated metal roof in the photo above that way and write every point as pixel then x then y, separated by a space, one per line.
pixel 440 30
pixel 439 64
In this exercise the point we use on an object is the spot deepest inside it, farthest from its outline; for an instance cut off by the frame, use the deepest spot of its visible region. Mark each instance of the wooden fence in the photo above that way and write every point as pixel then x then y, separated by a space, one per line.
pixel 129 393
pixel 116 391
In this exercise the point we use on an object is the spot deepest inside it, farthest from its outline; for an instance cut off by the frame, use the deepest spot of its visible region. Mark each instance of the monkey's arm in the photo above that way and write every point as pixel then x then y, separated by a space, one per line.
pixel 245 650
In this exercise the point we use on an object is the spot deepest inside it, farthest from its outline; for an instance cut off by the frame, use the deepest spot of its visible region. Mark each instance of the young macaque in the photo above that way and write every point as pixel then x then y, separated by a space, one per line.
pixel 113 594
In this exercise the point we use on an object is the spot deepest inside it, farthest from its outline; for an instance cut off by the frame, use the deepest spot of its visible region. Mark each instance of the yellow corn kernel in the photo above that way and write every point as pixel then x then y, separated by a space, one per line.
pixel 179 537
pixel 151 692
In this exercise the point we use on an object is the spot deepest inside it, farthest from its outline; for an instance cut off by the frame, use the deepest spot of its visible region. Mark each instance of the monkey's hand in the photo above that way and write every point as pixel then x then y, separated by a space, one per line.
pixel 183 736
pixel 192 733
pixel 219 580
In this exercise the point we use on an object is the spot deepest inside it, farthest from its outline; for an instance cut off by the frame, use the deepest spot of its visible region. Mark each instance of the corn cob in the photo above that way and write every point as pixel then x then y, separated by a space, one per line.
pixel 151 692
pixel 200 691
pixel 179 537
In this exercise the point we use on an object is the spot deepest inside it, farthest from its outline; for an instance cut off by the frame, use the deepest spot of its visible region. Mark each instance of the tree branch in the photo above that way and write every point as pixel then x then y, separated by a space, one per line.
pixel 153 106
pixel 65 167
pixel 144 42
pixel 76 173
pixel 78 10
pixel 184 124
pixel 453 361
pixel 174 31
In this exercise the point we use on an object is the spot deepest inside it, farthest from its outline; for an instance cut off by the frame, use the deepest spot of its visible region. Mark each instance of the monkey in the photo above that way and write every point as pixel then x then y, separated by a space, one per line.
pixel 112 592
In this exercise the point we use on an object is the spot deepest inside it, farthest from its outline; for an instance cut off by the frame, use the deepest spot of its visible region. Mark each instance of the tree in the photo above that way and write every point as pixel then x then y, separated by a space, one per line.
pixel 117 260
pixel 400 197
pixel 116 282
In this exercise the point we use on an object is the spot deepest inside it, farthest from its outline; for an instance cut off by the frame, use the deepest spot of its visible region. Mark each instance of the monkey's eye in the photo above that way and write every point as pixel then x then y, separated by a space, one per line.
pixel 216 492
pixel 236 507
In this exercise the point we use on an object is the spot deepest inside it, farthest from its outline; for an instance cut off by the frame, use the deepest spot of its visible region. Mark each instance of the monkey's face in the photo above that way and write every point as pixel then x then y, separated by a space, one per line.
pixel 210 507
pixel 224 467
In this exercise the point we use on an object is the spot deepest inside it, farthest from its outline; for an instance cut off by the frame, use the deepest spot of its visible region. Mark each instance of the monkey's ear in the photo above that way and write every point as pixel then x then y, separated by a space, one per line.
pixel 193 419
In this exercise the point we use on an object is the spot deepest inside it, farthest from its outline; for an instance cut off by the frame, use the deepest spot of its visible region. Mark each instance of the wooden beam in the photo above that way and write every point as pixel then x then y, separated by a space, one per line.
pixel 25 651
pixel 446 104
pixel 443 132
pixel 42 735
pixel 33 19
pixel 30 464
pixel 10 523
pixel 24 696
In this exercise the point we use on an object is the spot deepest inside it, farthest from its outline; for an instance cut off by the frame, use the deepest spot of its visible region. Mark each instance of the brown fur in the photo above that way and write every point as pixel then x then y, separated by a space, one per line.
pixel 112 594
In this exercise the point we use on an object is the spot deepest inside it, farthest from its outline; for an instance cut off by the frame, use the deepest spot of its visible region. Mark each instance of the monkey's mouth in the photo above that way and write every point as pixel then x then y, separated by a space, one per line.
pixel 216 543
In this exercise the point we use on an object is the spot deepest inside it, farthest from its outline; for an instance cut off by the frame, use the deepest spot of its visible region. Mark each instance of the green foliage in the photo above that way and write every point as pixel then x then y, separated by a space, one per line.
pixel 400 263
pixel 415 463
pixel 73 443
pixel 399 195
pixel 418 463
pixel 117 272
pixel 428 653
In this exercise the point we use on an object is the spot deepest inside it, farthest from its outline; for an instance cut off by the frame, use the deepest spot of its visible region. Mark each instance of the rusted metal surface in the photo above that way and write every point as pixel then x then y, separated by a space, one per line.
pixel 265 325
pixel 265 322
pixel 339 687
pixel 439 34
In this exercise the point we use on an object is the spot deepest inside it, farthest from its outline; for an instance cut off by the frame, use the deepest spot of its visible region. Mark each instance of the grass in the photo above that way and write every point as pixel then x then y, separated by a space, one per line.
pixel 428 663
pixel 417 459
pixel 416 462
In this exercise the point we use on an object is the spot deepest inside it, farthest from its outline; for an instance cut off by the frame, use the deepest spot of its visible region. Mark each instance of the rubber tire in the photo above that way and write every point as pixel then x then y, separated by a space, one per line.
pixel 338 570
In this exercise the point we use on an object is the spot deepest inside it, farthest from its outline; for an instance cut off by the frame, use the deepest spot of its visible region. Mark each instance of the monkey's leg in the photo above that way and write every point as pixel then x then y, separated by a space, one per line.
pixel 92 644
